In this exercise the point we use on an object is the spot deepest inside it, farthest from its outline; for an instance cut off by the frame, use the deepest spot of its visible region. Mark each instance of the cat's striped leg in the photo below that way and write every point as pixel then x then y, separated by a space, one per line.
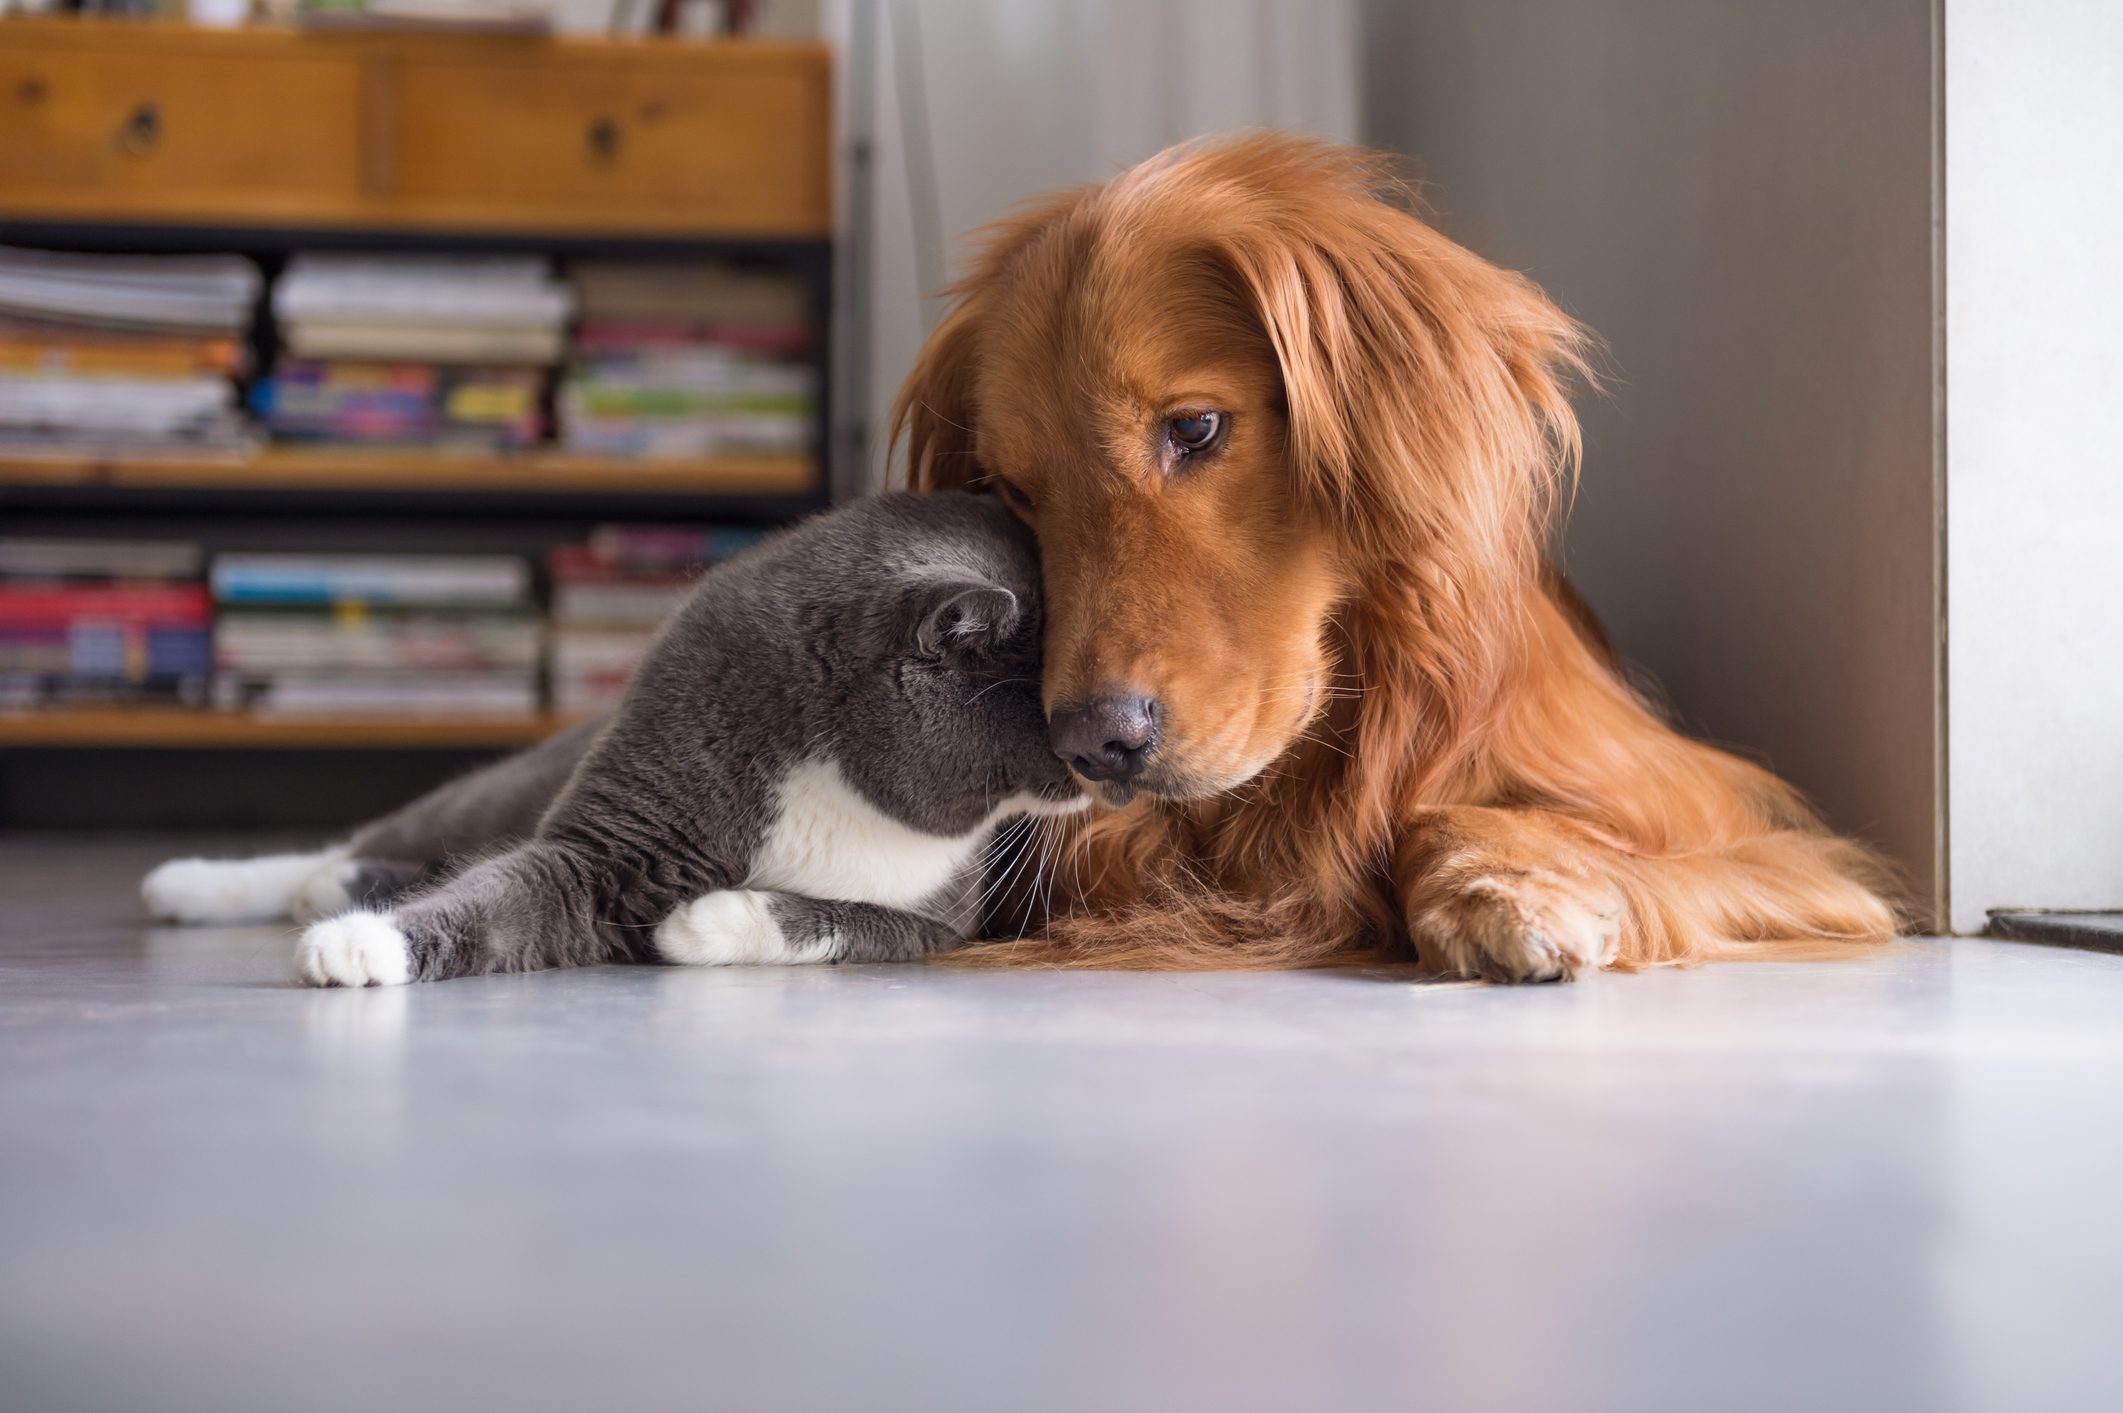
pixel 738 926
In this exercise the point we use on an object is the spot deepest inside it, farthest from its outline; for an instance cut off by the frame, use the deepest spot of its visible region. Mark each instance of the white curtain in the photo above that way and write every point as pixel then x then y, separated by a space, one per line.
pixel 969 106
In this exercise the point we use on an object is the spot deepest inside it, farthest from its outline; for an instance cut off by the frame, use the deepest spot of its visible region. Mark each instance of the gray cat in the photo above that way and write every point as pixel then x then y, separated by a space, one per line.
pixel 807 767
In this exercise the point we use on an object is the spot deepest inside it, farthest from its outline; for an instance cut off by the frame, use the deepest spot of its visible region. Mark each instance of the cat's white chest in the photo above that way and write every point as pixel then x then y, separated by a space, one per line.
pixel 829 842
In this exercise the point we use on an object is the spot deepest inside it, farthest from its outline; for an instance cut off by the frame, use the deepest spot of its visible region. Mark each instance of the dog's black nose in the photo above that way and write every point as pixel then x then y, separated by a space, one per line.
pixel 1111 739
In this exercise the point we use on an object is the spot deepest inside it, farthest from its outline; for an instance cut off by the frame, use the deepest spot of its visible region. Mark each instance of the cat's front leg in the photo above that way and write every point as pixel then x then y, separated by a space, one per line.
pixel 740 926
pixel 526 909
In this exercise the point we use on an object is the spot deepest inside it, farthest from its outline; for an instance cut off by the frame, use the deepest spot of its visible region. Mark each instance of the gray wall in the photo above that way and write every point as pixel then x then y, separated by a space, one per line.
pixel 1738 197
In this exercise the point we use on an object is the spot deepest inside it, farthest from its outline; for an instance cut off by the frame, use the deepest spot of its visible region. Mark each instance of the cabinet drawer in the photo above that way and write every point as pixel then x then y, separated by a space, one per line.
pixel 733 148
pixel 183 136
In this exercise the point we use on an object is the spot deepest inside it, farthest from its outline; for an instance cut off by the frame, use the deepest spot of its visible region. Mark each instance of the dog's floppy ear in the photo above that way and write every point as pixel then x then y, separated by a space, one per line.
pixel 933 413
pixel 1428 389
pixel 959 615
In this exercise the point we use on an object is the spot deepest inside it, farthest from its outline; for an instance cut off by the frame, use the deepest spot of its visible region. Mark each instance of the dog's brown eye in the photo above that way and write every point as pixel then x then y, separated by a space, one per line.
pixel 1197 431
pixel 1016 499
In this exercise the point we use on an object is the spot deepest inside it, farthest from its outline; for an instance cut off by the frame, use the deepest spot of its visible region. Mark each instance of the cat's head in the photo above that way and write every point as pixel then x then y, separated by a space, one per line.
pixel 940 720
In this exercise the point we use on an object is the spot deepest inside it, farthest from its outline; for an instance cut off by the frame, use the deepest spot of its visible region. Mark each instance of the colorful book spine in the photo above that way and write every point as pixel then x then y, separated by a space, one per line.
pixel 372 403
pixel 409 579
pixel 81 642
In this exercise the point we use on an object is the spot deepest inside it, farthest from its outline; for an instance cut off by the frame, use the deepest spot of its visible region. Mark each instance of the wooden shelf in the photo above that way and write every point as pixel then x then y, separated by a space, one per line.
pixel 439 472
pixel 194 728
pixel 415 131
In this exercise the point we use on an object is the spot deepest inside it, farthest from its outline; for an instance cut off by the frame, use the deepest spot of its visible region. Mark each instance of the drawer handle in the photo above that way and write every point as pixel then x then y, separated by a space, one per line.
pixel 604 139
pixel 137 134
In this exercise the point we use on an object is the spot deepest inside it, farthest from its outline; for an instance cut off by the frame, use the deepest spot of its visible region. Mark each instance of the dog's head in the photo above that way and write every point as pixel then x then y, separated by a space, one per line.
pixel 1242 398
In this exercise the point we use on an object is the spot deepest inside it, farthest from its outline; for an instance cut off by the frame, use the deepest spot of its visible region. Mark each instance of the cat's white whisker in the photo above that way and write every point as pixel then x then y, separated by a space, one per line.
pixel 1035 883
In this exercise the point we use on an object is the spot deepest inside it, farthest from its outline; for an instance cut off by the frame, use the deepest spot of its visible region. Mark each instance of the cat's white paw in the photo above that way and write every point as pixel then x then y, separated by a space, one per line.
pixel 731 927
pixel 356 949
pixel 324 893
pixel 229 890
pixel 189 890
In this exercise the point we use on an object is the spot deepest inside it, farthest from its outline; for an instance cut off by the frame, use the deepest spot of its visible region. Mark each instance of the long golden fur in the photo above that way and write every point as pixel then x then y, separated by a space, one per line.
pixel 1384 723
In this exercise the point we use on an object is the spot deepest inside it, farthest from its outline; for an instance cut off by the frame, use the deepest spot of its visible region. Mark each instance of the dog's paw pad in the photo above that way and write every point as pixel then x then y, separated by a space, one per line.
pixel 355 949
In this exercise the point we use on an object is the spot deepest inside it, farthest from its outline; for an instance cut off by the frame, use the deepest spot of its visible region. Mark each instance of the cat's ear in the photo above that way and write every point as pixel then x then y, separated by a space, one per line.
pixel 956 617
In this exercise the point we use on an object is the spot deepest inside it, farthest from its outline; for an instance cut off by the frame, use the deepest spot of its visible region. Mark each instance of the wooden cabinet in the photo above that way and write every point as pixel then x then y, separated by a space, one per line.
pixel 149 122
pixel 658 146
pixel 97 133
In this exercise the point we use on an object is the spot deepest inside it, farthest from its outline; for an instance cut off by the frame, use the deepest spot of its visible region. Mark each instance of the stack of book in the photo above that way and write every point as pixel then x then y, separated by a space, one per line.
pixel 687 360
pixel 403 635
pixel 122 353
pixel 101 621
pixel 413 350
pixel 612 594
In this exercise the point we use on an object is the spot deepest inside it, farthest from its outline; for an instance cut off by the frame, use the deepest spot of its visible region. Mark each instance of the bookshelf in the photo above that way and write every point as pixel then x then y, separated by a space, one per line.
pixel 144 137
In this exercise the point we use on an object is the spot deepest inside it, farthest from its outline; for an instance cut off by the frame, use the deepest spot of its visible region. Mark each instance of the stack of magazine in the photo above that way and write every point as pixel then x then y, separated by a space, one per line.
pixel 396 635
pixel 100 621
pixel 687 360
pixel 122 353
pixel 413 350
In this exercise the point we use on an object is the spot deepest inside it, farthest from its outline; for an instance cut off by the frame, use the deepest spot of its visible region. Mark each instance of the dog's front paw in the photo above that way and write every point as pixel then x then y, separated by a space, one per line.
pixel 733 927
pixel 1521 926
pixel 355 949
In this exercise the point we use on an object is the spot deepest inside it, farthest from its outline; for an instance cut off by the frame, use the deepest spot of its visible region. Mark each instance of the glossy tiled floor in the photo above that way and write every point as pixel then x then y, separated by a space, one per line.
pixel 1882 1185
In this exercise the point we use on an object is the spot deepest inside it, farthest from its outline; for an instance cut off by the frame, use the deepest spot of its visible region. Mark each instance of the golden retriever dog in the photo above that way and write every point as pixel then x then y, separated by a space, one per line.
pixel 1293 460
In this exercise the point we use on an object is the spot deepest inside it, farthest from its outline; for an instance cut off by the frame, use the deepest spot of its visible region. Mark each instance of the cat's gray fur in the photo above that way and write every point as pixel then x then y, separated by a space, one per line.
pixel 880 663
